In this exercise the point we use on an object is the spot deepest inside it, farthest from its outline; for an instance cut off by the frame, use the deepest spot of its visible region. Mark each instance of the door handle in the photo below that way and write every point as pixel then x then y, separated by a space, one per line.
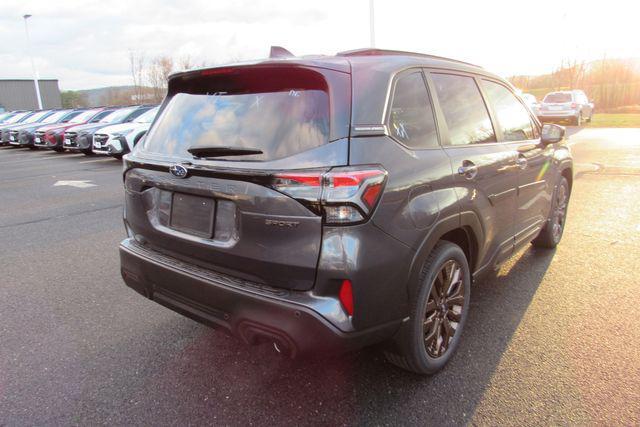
pixel 468 169
pixel 521 161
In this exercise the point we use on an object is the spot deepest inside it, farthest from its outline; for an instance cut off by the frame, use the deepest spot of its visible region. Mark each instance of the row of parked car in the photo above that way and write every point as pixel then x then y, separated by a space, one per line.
pixel 567 105
pixel 110 131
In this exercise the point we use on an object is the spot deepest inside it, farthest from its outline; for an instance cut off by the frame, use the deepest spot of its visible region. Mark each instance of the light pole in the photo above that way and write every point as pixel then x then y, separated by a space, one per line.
pixel 33 65
pixel 372 29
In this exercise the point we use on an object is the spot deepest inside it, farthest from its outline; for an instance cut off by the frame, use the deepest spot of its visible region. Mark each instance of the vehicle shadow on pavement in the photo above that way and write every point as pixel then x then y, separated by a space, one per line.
pixel 222 380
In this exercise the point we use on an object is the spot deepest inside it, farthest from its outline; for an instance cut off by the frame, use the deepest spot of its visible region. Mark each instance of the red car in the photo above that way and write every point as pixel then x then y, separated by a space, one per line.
pixel 52 136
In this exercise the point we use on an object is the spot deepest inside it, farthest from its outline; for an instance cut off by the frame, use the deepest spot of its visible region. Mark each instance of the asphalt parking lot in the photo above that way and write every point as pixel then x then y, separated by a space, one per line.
pixel 552 338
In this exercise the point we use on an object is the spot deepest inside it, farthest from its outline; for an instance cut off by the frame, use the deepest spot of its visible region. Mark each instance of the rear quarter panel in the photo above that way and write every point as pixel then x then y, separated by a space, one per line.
pixel 418 203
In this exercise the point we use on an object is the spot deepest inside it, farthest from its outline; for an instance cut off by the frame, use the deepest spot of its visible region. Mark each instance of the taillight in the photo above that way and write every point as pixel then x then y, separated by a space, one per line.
pixel 574 105
pixel 343 195
pixel 302 185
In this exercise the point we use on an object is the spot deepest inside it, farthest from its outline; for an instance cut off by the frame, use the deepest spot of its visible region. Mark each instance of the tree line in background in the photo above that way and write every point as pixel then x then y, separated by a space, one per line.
pixel 149 83
pixel 613 84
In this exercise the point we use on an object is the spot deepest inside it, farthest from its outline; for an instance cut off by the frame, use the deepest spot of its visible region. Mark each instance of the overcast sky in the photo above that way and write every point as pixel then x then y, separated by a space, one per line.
pixel 85 44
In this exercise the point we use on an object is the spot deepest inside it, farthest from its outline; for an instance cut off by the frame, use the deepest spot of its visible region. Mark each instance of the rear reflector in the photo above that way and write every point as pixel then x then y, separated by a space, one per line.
pixel 346 297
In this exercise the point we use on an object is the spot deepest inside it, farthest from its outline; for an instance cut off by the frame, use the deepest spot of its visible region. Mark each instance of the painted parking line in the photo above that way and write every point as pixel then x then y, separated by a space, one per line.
pixel 108 159
pixel 83 183
pixel 40 158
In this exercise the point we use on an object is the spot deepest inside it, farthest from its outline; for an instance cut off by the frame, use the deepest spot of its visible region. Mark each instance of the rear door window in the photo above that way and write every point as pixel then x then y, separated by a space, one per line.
pixel 464 110
pixel 411 118
pixel 513 118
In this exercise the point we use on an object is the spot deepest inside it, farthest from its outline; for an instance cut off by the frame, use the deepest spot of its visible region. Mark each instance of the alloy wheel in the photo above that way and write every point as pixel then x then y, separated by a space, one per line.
pixel 444 309
pixel 560 212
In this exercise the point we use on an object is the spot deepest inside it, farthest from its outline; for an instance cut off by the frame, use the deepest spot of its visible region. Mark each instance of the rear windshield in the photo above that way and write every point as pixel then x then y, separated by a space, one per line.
pixel 277 123
pixel 558 97
pixel 280 112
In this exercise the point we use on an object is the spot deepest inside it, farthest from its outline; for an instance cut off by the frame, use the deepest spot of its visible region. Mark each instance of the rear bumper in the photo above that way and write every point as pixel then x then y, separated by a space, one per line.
pixel 298 322
pixel 557 115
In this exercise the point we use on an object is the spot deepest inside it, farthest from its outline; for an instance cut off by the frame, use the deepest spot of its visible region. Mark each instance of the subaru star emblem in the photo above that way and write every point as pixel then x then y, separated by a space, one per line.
pixel 178 171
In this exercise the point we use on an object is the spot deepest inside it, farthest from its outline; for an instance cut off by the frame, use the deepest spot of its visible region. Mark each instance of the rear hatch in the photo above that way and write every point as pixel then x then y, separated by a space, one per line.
pixel 558 101
pixel 200 186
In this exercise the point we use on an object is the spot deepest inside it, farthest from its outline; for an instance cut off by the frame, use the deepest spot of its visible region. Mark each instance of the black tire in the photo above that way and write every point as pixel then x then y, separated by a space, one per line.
pixel 551 233
pixel 117 156
pixel 577 120
pixel 415 349
pixel 58 149
pixel 87 152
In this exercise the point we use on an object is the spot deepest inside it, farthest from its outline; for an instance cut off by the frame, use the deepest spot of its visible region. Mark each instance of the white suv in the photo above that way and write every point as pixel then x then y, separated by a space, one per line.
pixel 118 140
pixel 572 105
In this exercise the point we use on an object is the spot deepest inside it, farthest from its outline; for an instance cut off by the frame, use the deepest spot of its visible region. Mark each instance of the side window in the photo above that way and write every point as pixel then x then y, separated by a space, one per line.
pixel 513 117
pixel 464 110
pixel 411 118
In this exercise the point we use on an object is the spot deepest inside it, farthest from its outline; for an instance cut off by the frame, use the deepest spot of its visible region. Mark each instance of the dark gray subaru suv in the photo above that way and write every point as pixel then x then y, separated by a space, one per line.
pixel 327 203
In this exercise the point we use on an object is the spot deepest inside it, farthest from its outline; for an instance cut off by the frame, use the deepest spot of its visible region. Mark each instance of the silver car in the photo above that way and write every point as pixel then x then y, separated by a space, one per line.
pixel 532 102
pixel 571 105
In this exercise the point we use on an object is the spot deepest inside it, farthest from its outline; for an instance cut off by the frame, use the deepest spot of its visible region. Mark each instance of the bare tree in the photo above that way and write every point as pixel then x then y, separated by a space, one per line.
pixel 137 64
pixel 157 73
pixel 186 62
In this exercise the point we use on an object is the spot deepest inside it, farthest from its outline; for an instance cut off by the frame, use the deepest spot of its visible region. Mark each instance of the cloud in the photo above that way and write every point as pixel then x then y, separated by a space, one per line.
pixel 86 43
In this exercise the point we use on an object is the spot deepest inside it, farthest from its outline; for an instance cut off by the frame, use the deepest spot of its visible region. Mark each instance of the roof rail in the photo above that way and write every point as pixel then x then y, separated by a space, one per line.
pixel 374 52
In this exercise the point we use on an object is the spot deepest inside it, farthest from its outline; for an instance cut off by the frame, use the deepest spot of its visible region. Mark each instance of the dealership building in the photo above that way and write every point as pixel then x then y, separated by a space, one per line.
pixel 20 94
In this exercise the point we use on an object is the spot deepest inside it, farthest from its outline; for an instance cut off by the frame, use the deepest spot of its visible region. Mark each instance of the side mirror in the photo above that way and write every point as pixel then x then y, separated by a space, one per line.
pixel 552 133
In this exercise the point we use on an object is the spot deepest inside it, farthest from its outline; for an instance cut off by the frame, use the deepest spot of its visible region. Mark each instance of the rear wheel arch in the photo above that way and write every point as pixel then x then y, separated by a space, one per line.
pixel 567 172
pixel 464 230
pixel 463 237
pixel 407 348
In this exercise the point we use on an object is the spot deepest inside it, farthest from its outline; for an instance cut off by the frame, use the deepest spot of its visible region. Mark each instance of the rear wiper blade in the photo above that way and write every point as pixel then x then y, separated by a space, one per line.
pixel 206 152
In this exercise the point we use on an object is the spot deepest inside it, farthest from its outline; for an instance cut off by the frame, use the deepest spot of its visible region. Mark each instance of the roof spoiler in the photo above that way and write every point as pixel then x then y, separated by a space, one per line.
pixel 280 52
